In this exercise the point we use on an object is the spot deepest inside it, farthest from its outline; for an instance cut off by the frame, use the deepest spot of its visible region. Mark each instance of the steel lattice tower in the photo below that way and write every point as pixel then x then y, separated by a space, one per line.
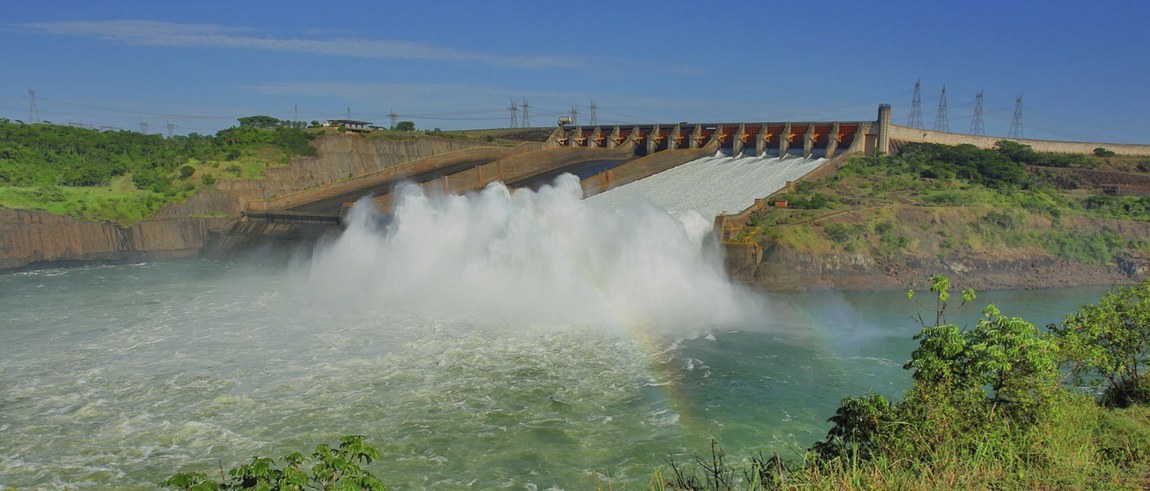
pixel 514 112
pixel 915 120
pixel 1016 124
pixel 594 116
pixel 941 121
pixel 33 112
pixel 976 122
pixel 394 118
pixel 574 115
pixel 526 117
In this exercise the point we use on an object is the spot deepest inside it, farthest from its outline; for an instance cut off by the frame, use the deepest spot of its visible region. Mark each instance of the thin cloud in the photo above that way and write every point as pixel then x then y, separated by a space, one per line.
pixel 155 33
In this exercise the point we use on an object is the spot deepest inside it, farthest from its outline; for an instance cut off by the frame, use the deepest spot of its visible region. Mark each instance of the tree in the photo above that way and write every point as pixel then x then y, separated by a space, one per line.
pixel 1110 342
pixel 405 126
pixel 261 122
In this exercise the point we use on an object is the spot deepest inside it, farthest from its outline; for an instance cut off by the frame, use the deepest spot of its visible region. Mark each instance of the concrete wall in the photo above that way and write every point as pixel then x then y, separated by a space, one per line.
pixel 907 134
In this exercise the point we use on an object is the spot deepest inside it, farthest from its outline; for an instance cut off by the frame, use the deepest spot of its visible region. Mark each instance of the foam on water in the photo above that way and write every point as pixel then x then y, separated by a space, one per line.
pixel 529 257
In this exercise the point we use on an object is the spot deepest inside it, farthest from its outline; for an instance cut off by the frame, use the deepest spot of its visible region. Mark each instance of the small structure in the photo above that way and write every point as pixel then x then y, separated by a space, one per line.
pixel 348 124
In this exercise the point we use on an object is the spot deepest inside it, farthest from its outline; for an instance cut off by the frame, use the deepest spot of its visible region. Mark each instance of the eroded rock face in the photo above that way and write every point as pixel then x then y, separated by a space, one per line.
pixel 32 238
pixel 777 268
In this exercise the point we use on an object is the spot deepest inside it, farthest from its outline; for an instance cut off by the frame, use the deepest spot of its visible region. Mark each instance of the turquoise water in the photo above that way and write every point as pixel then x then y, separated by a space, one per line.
pixel 523 341
pixel 122 375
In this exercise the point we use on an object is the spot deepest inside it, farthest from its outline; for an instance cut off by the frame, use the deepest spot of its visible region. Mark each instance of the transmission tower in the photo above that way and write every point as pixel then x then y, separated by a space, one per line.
pixel 976 122
pixel 594 115
pixel 941 121
pixel 915 120
pixel 526 117
pixel 514 112
pixel 143 127
pixel 574 116
pixel 33 113
pixel 394 118
pixel 171 128
pixel 1016 124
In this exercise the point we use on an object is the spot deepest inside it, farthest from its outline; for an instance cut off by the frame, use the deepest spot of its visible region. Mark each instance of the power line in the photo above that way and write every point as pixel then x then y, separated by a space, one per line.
pixel 941 121
pixel 976 122
pixel 915 119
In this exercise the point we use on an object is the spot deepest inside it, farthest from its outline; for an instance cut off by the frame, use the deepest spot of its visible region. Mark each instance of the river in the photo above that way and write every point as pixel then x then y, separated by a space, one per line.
pixel 500 340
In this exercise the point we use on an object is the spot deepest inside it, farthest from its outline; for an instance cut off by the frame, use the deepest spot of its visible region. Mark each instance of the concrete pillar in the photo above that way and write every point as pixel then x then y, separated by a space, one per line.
pixel 717 136
pixel 696 136
pixel 676 137
pixel 882 143
pixel 596 138
pixel 616 138
pixel 653 140
pixel 739 140
pixel 833 141
pixel 761 140
pixel 809 142
pixel 785 140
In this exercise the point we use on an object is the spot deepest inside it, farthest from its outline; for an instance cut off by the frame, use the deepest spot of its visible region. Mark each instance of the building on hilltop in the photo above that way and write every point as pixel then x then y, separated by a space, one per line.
pixel 348 124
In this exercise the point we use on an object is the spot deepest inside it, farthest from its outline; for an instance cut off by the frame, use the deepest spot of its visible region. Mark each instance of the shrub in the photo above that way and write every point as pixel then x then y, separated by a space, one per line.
pixel 1109 342
pixel 326 468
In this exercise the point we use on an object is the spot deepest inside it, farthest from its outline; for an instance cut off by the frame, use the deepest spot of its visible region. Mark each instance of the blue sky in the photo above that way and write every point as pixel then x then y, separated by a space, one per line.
pixel 1081 67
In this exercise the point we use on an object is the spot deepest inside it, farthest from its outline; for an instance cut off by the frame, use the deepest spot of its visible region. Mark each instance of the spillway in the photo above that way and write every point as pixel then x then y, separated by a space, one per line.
pixel 712 185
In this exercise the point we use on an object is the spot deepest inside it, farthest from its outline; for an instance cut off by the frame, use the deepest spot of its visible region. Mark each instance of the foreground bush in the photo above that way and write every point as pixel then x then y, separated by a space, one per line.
pixel 326 468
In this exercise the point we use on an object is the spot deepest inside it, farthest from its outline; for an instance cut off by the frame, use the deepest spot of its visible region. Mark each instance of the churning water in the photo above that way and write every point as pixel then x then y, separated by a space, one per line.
pixel 500 340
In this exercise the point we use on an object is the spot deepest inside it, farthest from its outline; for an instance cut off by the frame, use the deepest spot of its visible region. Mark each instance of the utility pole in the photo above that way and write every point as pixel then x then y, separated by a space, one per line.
pixel 514 111
pixel 976 123
pixel 941 121
pixel 915 120
pixel 1016 124
pixel 594 116
pixel 33 112
pixel 526 117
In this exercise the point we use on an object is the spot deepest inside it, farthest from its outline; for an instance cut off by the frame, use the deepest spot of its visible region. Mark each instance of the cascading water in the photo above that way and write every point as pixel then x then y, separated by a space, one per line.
pixel 503 339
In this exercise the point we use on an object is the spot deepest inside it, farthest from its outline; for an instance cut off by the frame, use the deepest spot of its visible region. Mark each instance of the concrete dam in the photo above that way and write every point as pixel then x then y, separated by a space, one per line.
pixel 602 158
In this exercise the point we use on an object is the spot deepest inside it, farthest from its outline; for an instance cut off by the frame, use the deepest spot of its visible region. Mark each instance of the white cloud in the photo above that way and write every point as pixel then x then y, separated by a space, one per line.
pixel 154 33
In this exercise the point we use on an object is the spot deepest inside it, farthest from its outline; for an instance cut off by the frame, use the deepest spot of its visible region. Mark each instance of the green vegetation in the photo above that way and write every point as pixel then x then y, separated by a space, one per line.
pixel 985 410
pixel 124 176
pixel 956 200
pixel 326 468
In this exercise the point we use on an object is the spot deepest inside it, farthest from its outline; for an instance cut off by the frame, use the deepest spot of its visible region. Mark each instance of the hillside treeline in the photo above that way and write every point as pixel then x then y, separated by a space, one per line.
pixel 56 155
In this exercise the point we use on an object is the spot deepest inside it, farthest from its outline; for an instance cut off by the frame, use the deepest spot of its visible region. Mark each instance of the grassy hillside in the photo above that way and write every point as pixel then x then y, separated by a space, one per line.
pixel 938 201
pixel 124 176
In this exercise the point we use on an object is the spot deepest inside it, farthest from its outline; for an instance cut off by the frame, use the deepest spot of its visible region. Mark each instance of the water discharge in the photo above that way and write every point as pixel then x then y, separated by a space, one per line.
pixel 529 257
